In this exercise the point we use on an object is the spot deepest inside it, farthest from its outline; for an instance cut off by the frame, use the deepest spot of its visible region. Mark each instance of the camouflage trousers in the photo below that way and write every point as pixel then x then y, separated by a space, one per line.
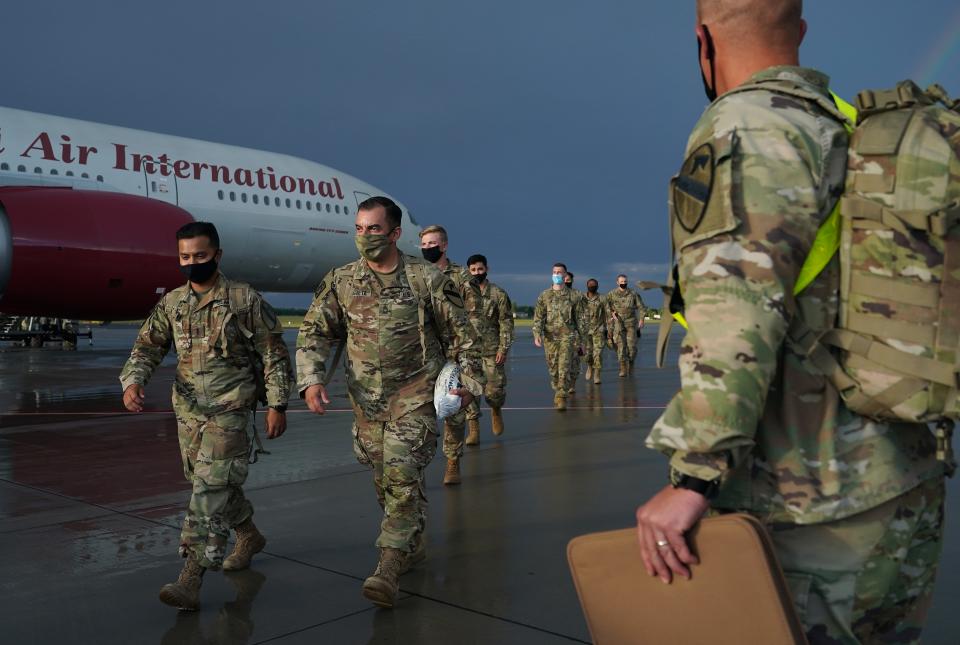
pixel 625 340
pixel 867 578
pixel 560 352
pixel 593 346
pixel 495 390
pixel 398 452
pixel 214 449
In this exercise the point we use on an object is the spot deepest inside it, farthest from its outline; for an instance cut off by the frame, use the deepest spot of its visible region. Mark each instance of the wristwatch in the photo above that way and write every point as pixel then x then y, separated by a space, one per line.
pixel 708 489
pixel 279 408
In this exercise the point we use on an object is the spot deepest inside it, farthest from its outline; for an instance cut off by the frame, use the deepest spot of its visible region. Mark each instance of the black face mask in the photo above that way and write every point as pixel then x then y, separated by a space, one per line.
pixel 431 254
pixel 478 278
pixel 710 89
pixel 622 286
pixel 199 273
pixel 568 285
pixel 592 288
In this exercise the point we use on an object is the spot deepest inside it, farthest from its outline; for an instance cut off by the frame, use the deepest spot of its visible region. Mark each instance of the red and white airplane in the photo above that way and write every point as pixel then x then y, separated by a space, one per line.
pixel 88 214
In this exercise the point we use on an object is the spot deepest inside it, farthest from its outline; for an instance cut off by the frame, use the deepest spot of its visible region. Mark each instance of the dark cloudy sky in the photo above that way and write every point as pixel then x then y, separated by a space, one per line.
pixel 534 130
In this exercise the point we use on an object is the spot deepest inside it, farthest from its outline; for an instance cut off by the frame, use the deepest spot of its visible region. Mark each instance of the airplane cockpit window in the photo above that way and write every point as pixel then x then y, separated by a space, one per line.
pixel 220 195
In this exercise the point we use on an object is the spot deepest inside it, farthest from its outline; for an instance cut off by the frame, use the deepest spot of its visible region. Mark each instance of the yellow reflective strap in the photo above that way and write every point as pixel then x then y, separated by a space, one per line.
pixel 847 110
pixel 680 319
pixel 824 246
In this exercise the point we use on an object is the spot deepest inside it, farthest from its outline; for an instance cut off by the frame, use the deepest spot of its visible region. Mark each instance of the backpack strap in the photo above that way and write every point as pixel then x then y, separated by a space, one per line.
pixel 417 280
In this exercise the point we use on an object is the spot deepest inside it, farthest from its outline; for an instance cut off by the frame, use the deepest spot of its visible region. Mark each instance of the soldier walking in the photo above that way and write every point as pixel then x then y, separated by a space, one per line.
pixel 495 328
pixel 230 353
pixel 594 311
pixel 399 318
pixel 575 361
pixel 433 247
pixel 625 311
pixel 558 328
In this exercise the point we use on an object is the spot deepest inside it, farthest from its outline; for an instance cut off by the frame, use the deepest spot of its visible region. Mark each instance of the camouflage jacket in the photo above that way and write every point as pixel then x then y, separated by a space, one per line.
pixel 595 313
pixel 396 338
pixel 495 324
pixel 626 303
pixel 762 171
pixel 216 362
pixel 559 314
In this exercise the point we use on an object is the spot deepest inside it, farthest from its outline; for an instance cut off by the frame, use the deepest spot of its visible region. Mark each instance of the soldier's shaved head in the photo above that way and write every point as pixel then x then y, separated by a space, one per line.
pixel 773 23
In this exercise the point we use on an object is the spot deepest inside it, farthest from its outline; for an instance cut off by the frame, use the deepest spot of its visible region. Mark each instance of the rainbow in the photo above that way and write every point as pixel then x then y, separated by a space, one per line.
pixel 941 63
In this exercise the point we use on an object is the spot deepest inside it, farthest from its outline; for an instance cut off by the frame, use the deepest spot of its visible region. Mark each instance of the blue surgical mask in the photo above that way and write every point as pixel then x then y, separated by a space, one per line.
pixel 557 278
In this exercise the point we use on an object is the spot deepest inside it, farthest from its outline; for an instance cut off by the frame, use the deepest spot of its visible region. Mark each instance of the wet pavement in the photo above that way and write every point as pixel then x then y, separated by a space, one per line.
pixel 91 499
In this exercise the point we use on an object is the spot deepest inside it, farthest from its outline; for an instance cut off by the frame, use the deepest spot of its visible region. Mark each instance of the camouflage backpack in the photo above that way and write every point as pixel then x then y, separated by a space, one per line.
pixel 895 353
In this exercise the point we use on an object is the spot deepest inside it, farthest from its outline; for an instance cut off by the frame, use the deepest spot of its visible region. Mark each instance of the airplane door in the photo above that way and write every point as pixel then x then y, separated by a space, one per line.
pixel 160 186
pixel 360 197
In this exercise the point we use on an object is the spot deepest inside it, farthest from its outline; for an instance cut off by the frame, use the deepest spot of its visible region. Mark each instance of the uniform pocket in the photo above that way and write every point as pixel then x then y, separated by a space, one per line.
pixel 222 458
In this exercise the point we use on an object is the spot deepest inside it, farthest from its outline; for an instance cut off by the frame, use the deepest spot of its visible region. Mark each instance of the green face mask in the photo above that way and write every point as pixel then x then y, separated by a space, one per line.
pixel 373 247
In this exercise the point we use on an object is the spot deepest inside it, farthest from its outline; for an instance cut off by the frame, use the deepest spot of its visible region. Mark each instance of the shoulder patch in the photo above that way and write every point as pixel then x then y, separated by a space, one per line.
pixel 451 293
pixel 693 186
pixel 268 315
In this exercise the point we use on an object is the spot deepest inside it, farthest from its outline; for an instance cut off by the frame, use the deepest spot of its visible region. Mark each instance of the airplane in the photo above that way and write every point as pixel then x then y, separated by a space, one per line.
pixel 88 214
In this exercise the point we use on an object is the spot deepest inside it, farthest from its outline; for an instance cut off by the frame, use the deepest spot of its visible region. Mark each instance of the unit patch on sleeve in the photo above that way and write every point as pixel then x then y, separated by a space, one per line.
pixel 693 186
pixel 453 295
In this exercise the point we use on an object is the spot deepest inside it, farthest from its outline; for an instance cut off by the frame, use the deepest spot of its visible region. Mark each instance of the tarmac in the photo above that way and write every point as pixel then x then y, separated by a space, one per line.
pixel 91 499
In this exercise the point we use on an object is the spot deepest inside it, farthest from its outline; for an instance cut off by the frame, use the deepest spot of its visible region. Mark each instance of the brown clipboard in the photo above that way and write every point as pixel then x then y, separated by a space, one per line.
pixel 737 594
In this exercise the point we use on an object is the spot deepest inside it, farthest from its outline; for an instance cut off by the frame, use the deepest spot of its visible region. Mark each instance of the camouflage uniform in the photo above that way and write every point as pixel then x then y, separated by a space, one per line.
pixel 558 323
pixel 629 307
pixel 495 328
pixel 453 426
pixel 214 395
pixel 575 361
pixel 398 328
pixel 594 310
pixel 755 412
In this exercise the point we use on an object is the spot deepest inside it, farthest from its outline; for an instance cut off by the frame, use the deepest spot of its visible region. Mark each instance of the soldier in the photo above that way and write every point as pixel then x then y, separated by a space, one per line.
pixel 594 310
pixel 625 311
pixel 230 353
pixel 495 328
pixel 433 247
pixel 399 318
pixel 558 327
pixel 854 506
pixel 575 363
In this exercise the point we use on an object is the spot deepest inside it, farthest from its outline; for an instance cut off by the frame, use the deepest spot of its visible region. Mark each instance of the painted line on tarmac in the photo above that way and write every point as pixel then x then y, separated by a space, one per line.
pixel 146 412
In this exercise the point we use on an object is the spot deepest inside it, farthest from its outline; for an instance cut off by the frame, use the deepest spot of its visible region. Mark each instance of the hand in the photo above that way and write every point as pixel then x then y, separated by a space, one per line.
pixel 537 342
pixel 316 398
pixel 133 398
pixel 466 397
pixel 276 423
pixel 500 358
pixel 666 517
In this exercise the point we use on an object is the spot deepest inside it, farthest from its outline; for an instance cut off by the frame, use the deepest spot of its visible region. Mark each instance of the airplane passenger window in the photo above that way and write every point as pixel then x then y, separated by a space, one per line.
pixel 85 176
pixel 328 208
pixel 220 194
pixel 243 197
pixel 4 166
pixel 256 198
pixel 38 170
pixel 337 208
pixel 153 186
pixel 69 173
pixel 346 211
pixel 309 205
pixel 276 201
pixel 266 199
pixel 298 204
pixel 319 207
pixel 21 168
pixel 99 177
pixel 233 196
pixel 53 171
pixel 288 202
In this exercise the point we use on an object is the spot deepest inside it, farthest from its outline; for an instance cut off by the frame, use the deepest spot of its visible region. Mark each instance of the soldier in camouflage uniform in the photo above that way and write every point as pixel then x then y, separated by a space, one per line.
pixel 230 349
pixel 558 328
pixel 495 328
pixel 433 247
pixel 854 506
pixel 575 362
pixel 625 311
pixel 594 311
pixel 400 318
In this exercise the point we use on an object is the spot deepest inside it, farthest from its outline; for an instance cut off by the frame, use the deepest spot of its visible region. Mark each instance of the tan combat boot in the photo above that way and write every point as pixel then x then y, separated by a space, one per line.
pixel 185 592
pixel 452 475
pixel 382 587
pixel 588 374
pixel 473 432
pixel 623 369
pixel 560 402
pixel 249 541
pixel 497 421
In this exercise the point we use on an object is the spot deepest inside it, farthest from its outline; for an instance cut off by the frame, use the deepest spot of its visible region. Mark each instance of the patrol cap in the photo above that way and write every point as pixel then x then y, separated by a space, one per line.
pixel 447 404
